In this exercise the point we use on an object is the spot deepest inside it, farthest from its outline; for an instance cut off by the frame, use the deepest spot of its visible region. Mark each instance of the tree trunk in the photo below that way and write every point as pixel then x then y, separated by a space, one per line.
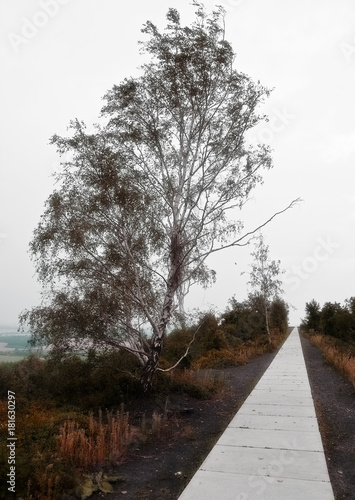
pixel 174 282
pixel 267 322
pixel 151 366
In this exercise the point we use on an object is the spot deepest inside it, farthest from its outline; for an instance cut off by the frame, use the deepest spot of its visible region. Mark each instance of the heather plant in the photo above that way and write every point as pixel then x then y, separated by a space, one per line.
pixel 240 354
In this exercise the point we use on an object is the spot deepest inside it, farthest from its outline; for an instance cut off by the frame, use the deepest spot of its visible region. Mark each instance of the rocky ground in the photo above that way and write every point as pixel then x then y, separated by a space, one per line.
pixel 160 468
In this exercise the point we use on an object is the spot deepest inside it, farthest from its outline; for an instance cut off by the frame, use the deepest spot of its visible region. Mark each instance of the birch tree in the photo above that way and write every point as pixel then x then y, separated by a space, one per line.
pixel 264 278
pixel 149 195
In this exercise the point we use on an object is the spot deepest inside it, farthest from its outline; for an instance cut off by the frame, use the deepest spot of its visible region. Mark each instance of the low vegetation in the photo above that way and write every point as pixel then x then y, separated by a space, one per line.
pixel 341 355
pixel 332 329
pixel 72 426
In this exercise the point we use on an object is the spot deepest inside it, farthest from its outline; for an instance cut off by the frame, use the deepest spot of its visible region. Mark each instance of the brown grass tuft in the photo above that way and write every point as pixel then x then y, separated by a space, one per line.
pixel 101 442
pixel 343 361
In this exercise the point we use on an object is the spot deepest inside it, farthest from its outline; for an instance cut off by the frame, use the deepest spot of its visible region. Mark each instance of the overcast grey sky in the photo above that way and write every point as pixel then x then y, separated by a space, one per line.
pixel 58 58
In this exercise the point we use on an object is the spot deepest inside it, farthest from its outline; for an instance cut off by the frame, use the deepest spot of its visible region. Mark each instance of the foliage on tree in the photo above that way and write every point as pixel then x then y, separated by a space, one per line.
pixel 278 315
pixel 350 306
pixel 145 198
pixel 218 341
pixel 246 320
pixel 337 321
pixel 313 315
pixel 332 319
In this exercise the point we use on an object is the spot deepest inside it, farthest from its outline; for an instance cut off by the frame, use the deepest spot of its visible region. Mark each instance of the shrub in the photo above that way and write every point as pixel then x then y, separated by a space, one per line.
pixel 175 347
pixel 217 359
pixel 332 319
pixel 102 441
pixel 110 377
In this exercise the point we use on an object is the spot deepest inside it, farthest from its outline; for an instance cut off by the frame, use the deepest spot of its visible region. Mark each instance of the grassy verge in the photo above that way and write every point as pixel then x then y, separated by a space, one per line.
pixel 337 353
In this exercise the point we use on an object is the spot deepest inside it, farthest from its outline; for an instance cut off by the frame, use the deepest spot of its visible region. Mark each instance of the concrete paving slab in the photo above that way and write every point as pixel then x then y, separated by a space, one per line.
pixel 287 385
pixel 270 409
pixel 275 422
pixel 281 392
pixel 279 399
pixel 208 485
pixel 264 438
pixel 269 386
pixel 272 462
pixel 292 377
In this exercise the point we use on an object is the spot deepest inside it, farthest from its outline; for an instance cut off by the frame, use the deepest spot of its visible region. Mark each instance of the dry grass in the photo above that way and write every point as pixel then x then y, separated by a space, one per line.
pixel 47 484
pixel 205 380
pixel 101 442
pixel 343 361
pixel 241 354
pixel 157 425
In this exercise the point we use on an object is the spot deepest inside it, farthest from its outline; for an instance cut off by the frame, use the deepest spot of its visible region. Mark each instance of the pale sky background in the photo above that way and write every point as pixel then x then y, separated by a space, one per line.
pixel 58 58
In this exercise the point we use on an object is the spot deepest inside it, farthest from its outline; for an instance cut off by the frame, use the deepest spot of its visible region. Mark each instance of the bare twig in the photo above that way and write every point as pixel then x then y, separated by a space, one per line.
pixel 184 355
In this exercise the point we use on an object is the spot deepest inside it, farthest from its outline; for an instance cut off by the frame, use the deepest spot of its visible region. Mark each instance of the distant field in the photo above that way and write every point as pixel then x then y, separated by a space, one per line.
pixel 10 359
pixel 14 346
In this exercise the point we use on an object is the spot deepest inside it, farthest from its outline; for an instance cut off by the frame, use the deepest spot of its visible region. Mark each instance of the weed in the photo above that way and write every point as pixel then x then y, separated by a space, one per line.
pixel 101 442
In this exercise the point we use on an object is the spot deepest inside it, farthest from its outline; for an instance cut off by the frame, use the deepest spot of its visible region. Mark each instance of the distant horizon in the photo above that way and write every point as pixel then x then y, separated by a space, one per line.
pixel 7 326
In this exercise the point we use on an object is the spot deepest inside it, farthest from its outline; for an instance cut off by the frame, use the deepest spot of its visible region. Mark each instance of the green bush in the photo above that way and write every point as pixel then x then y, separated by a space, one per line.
pixel 175 346
pixel 104 380
pixel 332 319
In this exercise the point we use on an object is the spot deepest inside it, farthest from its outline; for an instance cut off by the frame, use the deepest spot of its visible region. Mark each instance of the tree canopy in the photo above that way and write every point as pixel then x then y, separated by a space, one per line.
pixel 332 319
pixel 146 197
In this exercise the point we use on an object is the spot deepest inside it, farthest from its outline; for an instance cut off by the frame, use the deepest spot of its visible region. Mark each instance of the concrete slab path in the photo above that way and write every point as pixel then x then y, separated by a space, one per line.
pixel 272 449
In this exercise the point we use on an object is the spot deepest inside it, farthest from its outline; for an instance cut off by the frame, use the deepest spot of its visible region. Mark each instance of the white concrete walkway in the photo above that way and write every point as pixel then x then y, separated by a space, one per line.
pixel 272 449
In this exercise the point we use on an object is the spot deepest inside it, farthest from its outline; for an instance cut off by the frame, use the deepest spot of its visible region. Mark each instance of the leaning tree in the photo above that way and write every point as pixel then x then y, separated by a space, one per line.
pixel 145 198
